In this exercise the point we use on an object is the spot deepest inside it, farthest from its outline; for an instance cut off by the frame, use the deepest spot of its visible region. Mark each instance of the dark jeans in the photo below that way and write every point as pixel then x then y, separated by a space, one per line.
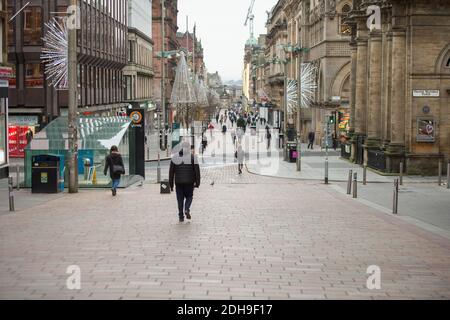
pixel 311 145
pixel 185 195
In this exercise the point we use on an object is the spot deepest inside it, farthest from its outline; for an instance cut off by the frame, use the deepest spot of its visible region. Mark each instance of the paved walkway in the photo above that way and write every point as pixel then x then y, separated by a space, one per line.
pixel 252 237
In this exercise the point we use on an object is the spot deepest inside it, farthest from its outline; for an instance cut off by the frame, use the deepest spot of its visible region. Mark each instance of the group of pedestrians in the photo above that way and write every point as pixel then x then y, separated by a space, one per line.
pixel 184 172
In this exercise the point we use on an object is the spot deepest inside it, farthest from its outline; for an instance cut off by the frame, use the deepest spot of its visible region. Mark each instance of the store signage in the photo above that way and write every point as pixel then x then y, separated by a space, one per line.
pixel 6 72
pixel 426 93
pixel 24 120
pixel 136 118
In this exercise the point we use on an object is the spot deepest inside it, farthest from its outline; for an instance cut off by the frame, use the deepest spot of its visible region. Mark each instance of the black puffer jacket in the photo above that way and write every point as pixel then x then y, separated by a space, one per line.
pixel 184 171
pixel 114 159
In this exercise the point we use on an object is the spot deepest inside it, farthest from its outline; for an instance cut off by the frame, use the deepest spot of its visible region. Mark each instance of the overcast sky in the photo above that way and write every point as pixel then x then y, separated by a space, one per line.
pixel 220 26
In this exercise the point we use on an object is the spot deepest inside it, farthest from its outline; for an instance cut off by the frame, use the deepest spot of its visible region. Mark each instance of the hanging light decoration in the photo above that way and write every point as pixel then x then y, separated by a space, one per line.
pixel 55 53
pixel 183 91
pixel 309 84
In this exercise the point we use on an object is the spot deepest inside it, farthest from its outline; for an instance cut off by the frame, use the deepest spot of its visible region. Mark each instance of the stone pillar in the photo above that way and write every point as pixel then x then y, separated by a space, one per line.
pixel 361 87
pixel 374 103
pixel 386 90
pixel 354 50
pixel 398 94
pixel 360 91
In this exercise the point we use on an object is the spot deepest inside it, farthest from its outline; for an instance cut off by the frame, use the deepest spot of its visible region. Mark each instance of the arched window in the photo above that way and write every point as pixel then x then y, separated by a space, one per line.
pixel 345 29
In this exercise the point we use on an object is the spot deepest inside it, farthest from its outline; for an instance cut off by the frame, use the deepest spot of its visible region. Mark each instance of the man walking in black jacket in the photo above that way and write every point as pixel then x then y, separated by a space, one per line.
pixel 185 174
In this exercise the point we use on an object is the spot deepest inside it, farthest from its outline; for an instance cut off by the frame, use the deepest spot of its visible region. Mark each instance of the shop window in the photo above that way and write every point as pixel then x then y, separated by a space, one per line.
pixel 34 75
pixel 32 24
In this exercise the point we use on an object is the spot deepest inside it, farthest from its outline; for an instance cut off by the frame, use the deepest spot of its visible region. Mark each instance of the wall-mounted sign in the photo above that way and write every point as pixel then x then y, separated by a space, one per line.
pixel 426 93
pixel 426 130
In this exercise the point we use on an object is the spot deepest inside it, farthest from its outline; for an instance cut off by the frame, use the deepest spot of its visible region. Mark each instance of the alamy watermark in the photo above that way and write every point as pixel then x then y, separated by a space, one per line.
pixel 374 19
pixel 374 280
pixel 73 282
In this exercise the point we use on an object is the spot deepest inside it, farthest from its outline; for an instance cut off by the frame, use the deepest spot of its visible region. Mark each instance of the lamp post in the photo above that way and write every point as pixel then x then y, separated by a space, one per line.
pixel 163 72
pixel 73 103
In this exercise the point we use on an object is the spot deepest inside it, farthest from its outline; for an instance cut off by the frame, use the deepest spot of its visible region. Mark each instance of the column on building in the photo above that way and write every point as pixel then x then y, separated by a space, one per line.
pixel 361 88
pixel 398 90
pixel 374 84
pixel 386 78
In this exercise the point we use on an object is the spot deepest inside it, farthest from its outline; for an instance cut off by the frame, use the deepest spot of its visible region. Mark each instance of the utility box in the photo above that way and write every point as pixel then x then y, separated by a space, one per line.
pixel 165 187
pixel 47 174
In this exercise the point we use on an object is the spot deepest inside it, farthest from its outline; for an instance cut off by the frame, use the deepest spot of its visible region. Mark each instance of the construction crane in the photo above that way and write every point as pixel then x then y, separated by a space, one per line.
pixel 250 17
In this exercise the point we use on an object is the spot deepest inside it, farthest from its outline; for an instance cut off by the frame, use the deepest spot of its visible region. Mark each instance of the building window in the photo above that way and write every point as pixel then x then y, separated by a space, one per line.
pixel 34 75
pixel 345 29
pixel 32 25
pixel 448 63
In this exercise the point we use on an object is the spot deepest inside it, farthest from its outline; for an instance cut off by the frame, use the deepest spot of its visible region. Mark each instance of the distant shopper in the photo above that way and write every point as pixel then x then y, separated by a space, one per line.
pixel 239 155
pixel 269 138
pixel 29 136
pixel 184 173
pixel 311 139
pixel 114 163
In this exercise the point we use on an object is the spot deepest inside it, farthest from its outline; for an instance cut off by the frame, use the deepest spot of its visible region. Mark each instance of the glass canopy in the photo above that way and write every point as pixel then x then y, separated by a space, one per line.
pixel 96 135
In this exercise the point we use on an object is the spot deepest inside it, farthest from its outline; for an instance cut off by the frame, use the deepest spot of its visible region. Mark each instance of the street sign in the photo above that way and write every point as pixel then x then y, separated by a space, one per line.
pixel 426 93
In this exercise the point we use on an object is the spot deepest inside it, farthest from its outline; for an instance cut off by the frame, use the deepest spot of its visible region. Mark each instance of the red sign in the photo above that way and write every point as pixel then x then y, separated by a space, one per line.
pixel 6 72
pixel 17 138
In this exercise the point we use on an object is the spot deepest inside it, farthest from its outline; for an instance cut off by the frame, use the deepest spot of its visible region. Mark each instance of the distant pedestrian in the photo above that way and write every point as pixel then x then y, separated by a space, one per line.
pixel 233 136
pixel 269 138
pixel 211 129
pixel 224 129
pixel 311 139
pixel 240 155
pixel 114 163
pixel 239 134
pixel 217 118
pixel 184 173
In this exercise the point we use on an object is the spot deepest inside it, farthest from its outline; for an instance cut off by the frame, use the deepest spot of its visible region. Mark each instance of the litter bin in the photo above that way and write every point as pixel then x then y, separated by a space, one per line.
pixel 293 153
pixel 165 187
pixel 47 174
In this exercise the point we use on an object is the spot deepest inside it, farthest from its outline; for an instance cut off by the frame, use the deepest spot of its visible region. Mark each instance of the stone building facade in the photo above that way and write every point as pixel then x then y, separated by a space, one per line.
pixel 186 42
pixel 401 84
pixel 316 26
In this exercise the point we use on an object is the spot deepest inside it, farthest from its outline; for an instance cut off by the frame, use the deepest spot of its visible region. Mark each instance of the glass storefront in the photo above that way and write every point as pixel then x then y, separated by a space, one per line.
pixel 96 136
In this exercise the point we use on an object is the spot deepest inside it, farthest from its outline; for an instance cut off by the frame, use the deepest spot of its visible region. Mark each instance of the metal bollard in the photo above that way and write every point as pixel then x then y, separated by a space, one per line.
pixel 365 175
pixel 448 176
pixel 349 182
pixel 355 185
pixel 440 173
pixel 158 170
pixel 18 177
pixel 326 171
pixel 11 194
pixel 401 173
pixel 395 202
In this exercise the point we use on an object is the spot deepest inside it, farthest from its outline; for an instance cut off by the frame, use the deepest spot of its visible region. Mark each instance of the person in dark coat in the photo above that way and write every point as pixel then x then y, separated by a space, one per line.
pixel 311 139
pixel 184 173
pixel 114 163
